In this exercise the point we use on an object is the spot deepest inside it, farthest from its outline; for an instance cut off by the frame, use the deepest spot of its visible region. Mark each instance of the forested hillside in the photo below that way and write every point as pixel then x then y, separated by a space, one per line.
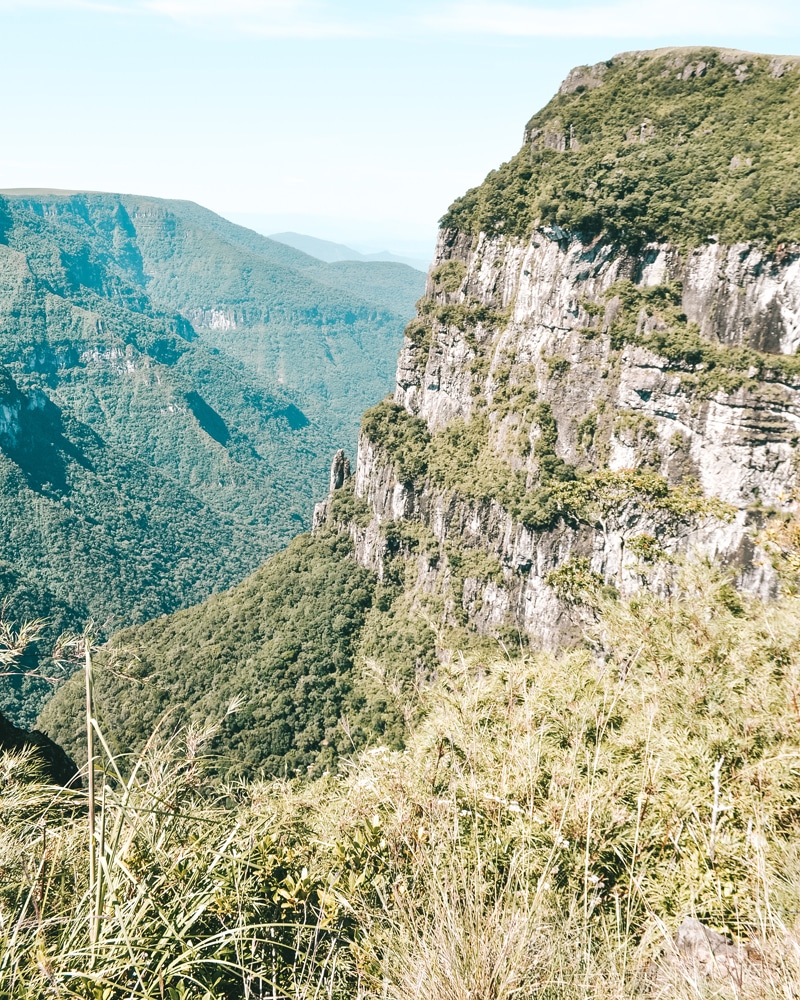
pixel 171 388
pixel 317 656
pixel 519 718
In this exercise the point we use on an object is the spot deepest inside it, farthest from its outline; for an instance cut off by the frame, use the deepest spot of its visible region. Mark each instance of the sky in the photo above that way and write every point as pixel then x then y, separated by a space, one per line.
pixel 349 120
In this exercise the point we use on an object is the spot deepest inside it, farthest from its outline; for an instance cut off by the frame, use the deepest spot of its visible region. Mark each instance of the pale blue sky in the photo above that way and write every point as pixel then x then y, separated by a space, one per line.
pixel 350 120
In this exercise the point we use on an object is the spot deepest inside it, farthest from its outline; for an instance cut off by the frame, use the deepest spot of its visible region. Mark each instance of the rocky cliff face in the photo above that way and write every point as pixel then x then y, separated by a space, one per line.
pixel 559 294
pixel 566 364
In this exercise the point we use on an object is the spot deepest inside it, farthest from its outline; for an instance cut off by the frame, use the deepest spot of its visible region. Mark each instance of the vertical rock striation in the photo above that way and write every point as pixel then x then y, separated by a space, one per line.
pixel 575 398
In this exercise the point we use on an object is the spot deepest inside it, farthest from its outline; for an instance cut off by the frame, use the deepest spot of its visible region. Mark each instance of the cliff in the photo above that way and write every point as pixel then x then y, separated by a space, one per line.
pixel 578 405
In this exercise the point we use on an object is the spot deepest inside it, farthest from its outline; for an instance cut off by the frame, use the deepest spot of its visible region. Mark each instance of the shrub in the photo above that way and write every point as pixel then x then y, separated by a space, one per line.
pixel 448 277
pixel 402 435
pixel 717 155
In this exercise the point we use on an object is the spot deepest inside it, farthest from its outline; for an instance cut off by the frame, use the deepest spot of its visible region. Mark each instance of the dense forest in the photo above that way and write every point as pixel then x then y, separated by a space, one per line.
pixel 655 148
pixel 143 463
pixel 309 648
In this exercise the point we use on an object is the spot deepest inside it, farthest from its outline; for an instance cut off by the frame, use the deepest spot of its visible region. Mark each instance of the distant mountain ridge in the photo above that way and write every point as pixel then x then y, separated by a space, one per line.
pixel 332 252
pixel 574 411
pixel 171 389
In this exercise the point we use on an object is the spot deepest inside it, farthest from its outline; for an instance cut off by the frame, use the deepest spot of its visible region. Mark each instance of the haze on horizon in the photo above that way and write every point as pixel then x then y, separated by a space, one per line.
pixel 337 119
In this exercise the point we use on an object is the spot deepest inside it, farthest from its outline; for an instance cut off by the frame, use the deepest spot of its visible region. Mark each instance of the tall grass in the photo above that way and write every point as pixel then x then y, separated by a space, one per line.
pixel 551 822
pixel 198 891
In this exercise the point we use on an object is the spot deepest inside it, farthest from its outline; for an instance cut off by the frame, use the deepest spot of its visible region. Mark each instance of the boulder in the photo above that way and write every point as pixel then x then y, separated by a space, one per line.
pixel 57 767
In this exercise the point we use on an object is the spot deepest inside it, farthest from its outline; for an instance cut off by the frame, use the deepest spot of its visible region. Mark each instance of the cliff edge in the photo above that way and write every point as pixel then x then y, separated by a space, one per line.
pixel 602 374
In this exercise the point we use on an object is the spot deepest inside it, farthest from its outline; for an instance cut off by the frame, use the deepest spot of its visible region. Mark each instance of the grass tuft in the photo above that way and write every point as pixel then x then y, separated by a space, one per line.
pixel 551 822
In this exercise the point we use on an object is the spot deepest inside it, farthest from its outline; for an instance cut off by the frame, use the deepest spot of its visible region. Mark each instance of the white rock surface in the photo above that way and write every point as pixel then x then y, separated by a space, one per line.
pixel 741 446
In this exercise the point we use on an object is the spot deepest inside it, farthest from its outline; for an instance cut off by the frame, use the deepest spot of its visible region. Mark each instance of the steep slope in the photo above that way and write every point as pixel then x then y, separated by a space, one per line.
pixel 305 652
pixel 594 384
pixel 326 333
pixel 573 414
pixel 141 467
pixel 92 523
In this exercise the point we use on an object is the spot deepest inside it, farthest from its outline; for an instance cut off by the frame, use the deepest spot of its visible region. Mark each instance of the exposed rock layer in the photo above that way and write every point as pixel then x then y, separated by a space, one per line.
pixel 545 295
pixel 508 319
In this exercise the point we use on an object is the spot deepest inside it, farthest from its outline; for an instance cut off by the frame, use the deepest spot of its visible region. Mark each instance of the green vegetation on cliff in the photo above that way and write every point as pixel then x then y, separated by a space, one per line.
pixel 652 318
pixel 461 459
pixel 677 144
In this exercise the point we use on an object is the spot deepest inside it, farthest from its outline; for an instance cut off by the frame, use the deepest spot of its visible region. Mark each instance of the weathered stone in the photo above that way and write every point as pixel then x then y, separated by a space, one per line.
pixel 56 766
pixel 707 952
pixel 340 470
pixel 537 300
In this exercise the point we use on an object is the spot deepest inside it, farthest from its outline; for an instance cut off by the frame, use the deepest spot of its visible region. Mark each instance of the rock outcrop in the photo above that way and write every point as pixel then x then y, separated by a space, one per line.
pixel 620 365
pixel 739 445
pixel 54 765
pixel 620 409
pixel 707 952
